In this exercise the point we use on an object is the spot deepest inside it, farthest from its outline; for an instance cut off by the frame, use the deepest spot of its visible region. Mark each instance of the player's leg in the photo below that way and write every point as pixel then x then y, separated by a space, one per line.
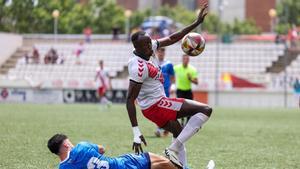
pixel 167 92
pixel 157 133
pixel 180 94
pixel 199 113
pixel 103 100
pixel 191 107
pixel 159 162
pixel 175 128
pixel 190 96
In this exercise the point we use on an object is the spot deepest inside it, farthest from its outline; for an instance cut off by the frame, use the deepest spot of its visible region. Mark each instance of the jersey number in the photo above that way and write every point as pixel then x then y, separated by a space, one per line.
pixel 95 163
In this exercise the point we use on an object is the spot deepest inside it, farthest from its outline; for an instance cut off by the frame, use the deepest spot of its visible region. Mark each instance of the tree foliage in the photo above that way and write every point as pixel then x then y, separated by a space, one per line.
pixel 288 14
pixel 212 23
pixel 22 16
pixel 245 27
pixel 138 17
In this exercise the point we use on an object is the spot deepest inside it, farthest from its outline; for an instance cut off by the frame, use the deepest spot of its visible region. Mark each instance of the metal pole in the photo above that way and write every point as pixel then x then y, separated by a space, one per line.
pixel 55 29
pixel 153 10
pixel 272 25
pixel 285 79
pixel 220 3
pixel 285 93
pixel 129 32
pixel 127 28
pixel 217 71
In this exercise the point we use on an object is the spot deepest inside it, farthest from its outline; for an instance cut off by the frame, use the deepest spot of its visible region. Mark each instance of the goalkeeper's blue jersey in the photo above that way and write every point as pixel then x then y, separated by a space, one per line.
pixel 86 156
pixel 167 71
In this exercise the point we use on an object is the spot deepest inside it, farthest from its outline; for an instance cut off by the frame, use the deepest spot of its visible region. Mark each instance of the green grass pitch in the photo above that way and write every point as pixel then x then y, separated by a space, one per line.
pixel 233 138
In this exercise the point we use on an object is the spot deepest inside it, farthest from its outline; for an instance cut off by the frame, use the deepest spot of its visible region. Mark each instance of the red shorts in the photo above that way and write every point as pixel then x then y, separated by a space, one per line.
pixel 101 91
pixel 163 111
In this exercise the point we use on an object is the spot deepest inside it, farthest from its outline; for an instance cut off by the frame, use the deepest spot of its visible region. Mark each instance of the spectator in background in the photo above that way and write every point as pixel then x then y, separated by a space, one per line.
pixel 87 33
pixel 103 84
pixel 61 59
pixel 54 55
pixel 51 57
pixel 35 56
pixel 297 86
pixel 185 75
pixel 297 89
pixel 168 74
pixel 293 36
pixel 26 56
pixel 279 39
pixel 78 52
pixel 48 57
pixel 115 33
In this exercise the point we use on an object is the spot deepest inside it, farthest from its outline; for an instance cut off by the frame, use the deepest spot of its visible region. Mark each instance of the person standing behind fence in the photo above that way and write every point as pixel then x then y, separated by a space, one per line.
pixel 185 75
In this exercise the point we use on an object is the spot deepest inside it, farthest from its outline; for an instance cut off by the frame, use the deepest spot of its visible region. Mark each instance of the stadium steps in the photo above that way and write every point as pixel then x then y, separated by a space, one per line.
pixel 12 61
pixel 283 61
pixel 123 73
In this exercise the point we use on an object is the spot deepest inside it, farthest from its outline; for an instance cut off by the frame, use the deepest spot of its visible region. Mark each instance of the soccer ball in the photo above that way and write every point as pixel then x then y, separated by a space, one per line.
pixel 193 44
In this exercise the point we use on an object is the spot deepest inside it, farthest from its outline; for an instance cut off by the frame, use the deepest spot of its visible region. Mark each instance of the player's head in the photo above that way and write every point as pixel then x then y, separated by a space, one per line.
pixel 142 43
pixel 101 63
pixel 161 53
pixel 59 143
pixel 185 59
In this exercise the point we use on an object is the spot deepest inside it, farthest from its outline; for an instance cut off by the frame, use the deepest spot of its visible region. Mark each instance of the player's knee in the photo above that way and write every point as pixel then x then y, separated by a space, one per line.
pixel 208 110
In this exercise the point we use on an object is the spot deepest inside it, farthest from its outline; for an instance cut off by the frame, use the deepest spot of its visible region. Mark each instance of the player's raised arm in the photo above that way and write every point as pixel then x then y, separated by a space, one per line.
pixel 175 37
pixel 133 92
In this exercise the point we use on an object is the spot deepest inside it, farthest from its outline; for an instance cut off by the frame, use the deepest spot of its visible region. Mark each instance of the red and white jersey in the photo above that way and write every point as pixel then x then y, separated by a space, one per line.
pixel 149 74
pixel 102 79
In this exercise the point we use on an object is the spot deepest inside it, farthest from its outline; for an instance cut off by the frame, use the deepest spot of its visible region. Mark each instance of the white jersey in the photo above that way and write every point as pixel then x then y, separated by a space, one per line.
pixel 102 79
pixel 149 74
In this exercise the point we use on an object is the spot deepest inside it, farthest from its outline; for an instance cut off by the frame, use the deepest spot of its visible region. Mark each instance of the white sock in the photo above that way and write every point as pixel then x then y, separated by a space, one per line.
pixel 181 153
pixel 182 156
pixel 190 129
pixel 104 100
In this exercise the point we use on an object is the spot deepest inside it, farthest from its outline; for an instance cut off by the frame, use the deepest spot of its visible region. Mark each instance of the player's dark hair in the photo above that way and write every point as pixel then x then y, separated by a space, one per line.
pixel 135 36
pixel 55 142
pixel 161 49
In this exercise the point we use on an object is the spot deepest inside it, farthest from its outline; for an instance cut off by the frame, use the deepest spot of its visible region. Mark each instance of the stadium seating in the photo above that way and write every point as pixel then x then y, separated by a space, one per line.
pixel 294 68
pixel 248 60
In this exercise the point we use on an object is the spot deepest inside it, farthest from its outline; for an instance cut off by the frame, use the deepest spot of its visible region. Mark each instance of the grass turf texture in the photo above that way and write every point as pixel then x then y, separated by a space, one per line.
pixel 234 138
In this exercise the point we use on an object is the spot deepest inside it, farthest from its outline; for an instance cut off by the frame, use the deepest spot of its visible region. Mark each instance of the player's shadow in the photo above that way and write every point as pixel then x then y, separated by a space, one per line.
pixel 155 137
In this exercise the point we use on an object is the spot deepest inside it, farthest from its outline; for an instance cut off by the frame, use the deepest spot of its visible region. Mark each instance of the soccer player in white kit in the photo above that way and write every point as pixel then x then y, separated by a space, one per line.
pixel 146 85
pixel 103 83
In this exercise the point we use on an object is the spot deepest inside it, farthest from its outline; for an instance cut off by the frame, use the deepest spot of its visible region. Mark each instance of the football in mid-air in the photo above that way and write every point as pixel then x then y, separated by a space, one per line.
pixel 193 44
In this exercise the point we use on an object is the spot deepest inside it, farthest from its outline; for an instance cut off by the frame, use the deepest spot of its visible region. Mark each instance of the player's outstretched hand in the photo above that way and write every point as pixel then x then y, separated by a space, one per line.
pixel 202 14
pixel 137 146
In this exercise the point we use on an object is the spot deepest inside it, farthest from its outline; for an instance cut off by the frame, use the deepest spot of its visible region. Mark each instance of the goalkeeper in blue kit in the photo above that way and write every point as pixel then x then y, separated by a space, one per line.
pixel 87 155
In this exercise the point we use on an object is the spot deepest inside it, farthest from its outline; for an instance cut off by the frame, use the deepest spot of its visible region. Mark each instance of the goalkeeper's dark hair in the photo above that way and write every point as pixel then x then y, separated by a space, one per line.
pixel 55 142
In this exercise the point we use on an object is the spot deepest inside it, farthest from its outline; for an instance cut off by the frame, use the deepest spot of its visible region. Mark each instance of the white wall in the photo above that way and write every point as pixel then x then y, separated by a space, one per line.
pixel 189 4
pixel 252 99
pixel 232 9
pixel 9 44
pixel 146 4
